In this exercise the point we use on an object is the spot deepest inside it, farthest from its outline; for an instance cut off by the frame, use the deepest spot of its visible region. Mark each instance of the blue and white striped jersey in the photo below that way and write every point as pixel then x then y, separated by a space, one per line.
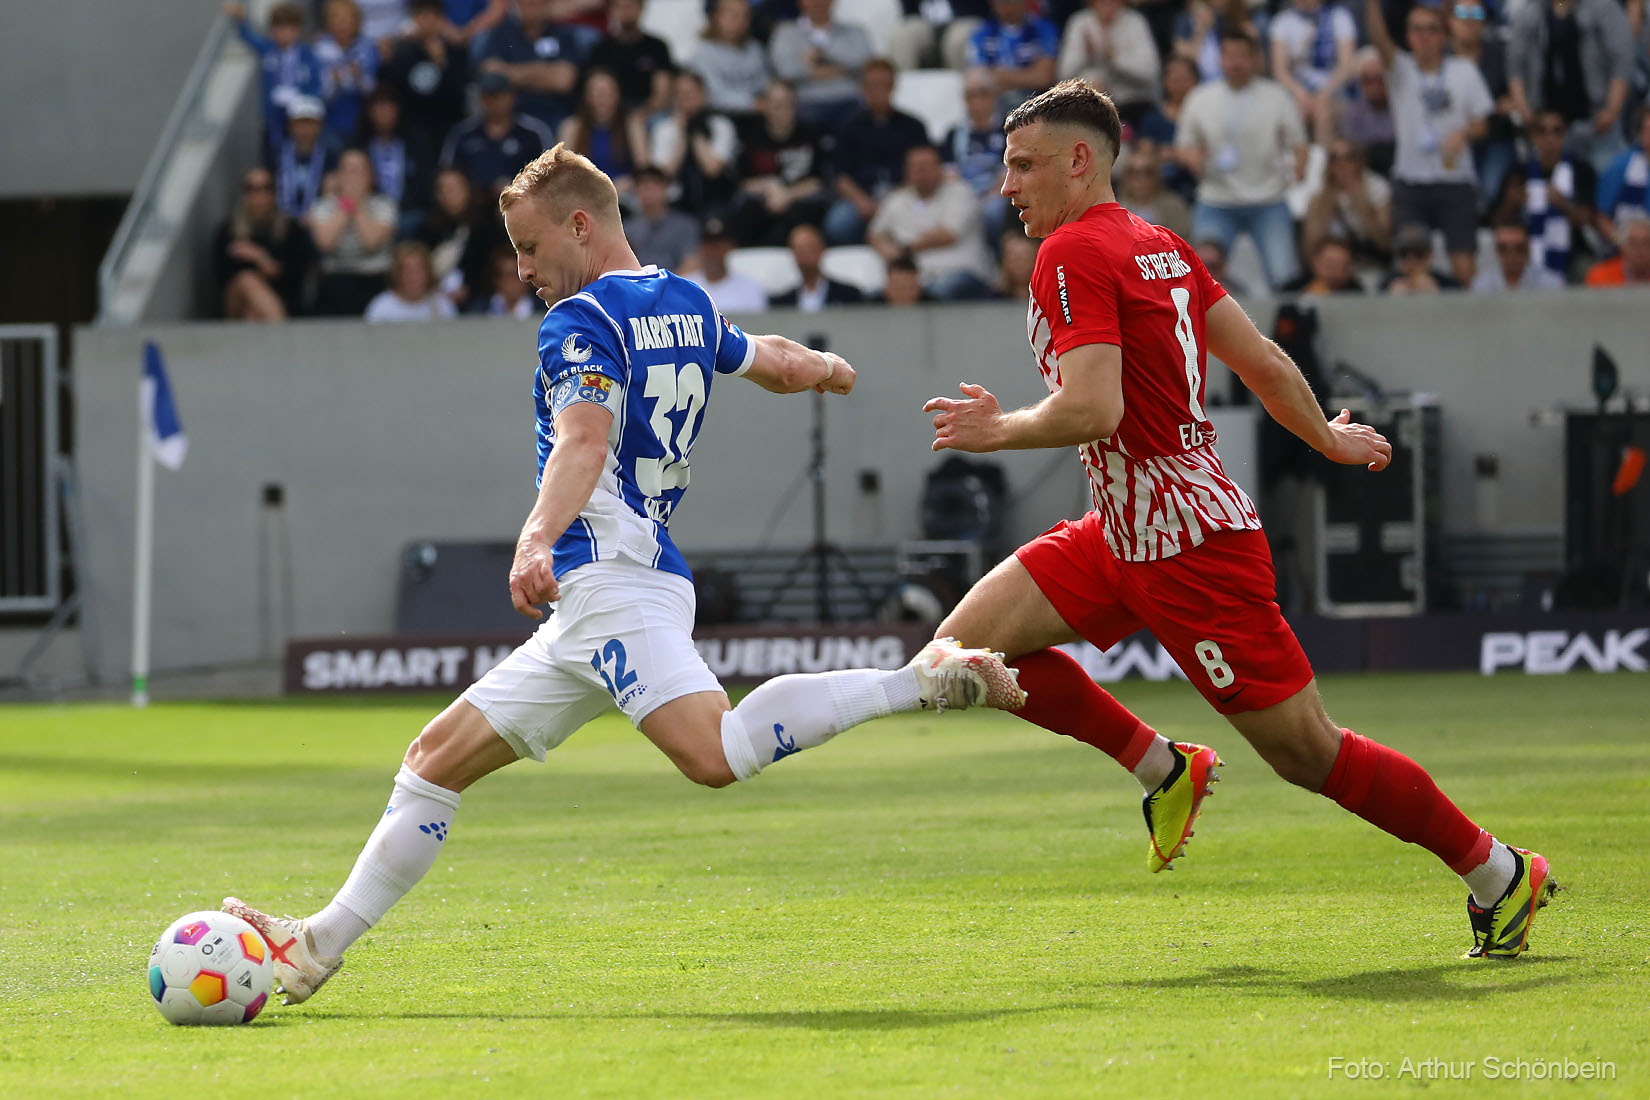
pixel 645 345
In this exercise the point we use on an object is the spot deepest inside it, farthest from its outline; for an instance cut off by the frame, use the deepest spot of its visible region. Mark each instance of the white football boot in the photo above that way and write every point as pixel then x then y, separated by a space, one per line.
pixel 299 970
pixel 950 677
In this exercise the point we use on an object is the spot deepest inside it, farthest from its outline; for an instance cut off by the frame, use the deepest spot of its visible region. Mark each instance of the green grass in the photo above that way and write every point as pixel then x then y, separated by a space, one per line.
pixel 951 907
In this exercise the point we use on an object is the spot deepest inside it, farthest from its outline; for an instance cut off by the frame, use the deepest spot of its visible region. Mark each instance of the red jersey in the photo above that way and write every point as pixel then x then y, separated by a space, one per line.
pixel 1111 278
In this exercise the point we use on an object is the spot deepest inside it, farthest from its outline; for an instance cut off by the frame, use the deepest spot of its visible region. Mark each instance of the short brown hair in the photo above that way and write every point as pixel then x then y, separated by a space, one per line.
pixel 286 14
pixel 1072 103
pixel 563 181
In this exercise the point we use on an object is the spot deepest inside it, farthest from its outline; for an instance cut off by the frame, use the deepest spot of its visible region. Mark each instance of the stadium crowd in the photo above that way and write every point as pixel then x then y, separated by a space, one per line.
pixel 1377 146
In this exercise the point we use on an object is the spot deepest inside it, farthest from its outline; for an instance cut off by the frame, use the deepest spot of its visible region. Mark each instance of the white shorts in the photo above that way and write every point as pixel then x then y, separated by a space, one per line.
pixel 621 635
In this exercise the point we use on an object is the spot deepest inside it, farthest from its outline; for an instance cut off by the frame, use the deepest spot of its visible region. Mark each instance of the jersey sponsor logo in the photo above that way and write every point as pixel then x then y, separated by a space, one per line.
pixel 668 330
pixel 1065 298
pixel 573 353
pixel 595 387
pixel 1162 265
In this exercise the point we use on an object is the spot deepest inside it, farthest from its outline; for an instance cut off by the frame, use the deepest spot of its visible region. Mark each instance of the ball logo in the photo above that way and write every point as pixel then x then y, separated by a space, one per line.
pixel 573 353
pixel 1065 299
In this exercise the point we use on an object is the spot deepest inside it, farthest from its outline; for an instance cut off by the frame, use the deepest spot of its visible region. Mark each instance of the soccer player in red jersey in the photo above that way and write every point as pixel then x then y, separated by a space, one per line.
pixel 1121 315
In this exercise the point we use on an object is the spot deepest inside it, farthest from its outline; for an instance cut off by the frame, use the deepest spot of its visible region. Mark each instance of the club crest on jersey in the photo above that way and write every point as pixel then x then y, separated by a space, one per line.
pixel 595 387
pixel 573 353
pixel 1065 299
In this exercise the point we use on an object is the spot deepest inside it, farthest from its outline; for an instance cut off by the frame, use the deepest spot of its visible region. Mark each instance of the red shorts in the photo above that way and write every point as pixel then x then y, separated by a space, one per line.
pixel 1214 608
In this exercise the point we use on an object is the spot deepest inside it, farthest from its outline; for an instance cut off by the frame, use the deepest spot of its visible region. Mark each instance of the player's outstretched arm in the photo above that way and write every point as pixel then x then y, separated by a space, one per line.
pixel 570 476
pixel 1273 377
pixel 785 366
pixel 1088 406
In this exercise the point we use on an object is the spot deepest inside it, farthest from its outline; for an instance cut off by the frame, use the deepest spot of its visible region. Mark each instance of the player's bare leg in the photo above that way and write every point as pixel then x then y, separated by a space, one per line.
pixel 457 748
pixel 713 743
pixel 1007 611
pixel 1394 793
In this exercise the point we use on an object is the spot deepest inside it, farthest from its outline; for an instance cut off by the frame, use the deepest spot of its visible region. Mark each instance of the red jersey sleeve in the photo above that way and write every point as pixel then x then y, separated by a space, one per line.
pixel 1077 292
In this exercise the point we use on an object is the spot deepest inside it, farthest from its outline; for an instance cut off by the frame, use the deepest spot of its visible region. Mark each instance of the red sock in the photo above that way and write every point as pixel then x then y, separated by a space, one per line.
pixel 1061 697
pixel 1393 792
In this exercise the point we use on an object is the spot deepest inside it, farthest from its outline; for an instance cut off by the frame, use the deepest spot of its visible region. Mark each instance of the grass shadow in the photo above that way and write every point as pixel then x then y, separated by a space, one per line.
pixel 1431 982
pixel 842 1019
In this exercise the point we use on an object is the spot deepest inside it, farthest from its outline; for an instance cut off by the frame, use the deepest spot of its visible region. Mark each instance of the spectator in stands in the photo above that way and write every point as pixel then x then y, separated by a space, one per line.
pixel 1162 122
pixel 510 297
pixel 936 220
pixel 354 229
pixel 732 293
pixel 1019 257
pixel 869 158
pixel 660 236
pixel 305 156
pixel 1494 153
pixel 901 286
pixel 469 21
pixel 1574 57
pixel 935 33
pixel 734 65
pixel 1314 45
pixel 638 60
pixel 1213 255
pixel 540 61
pixel 1366 116
pixel 492 147
pixel 1019 48
pixel 1625 185
pixel 428 75
pixel 1440 106
pixel 696 146
pixel 287 63
pixel 974 149
pixel 822 58
pixel 1331 272
pixel 261 255
pixel 1632 267
pixel 1142 193
pixel 460 234
pixel 411 295
pixel 603 130
pixel 402 163
pixel 1513 269
pixel 1415 274
pixel 1559 191
pixel 1109 44
pixel 817 290
pixel 349 67
pixel 1234 136
pixel 781 172
pixel 1197 32
pixel 1354 205
pixel 383 20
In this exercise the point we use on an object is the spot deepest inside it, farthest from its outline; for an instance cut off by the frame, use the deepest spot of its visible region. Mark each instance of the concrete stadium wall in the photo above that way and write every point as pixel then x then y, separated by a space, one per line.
pixel 85 87
pixel 385 434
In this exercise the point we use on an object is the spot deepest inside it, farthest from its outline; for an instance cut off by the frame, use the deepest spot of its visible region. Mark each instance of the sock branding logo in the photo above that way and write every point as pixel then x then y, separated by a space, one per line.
pixel 437 829
pixel 787 745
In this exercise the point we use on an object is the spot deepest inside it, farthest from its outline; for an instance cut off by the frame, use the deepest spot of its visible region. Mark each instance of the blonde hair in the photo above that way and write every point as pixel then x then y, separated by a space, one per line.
pixel 562 181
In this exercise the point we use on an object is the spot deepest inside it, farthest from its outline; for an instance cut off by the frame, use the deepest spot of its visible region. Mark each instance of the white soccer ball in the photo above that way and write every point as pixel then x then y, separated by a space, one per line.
pixel 210 968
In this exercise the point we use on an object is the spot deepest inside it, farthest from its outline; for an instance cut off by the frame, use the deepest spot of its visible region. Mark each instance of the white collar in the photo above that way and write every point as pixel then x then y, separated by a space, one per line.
pixel 650 269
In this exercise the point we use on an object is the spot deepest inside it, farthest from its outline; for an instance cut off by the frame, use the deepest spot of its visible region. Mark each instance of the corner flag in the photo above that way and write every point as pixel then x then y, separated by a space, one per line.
pixel 160 415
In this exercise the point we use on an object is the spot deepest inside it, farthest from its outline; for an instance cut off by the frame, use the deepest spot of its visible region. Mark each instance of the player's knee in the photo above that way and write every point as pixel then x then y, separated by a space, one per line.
pixel 707 768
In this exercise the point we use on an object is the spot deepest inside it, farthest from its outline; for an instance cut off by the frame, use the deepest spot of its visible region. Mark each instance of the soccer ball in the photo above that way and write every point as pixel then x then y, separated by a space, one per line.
pixel 210 968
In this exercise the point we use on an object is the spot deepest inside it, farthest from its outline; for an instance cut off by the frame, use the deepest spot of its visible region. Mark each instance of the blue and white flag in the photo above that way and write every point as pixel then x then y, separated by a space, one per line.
pixel 160 415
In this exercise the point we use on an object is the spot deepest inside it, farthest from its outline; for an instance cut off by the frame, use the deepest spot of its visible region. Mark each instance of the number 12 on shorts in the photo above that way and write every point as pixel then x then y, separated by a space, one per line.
pixel 612 655
pixel 1214 663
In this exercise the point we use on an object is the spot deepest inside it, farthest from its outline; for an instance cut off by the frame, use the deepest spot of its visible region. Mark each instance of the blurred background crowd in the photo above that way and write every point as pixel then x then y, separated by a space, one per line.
pixel 812 153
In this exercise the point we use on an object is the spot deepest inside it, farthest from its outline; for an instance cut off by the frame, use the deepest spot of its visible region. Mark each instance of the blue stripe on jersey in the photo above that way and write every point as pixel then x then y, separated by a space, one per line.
pixel 662 342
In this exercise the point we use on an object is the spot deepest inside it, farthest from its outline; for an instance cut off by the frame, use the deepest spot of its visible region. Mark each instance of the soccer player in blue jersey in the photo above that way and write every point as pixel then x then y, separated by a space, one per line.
pixel 627 358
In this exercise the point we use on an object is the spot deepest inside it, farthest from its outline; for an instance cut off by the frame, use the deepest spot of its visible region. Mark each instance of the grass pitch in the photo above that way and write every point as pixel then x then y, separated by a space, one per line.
pixel 927 907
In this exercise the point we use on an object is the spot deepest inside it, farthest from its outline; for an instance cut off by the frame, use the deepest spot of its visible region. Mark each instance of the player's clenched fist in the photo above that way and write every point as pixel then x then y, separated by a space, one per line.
pixel 840 376
pixel 966 425
pixel 532 580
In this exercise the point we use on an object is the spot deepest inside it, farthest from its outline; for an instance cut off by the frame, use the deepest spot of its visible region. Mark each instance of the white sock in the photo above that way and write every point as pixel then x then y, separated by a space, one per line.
pixel 1490 879
pixel 791 713
pixel 1155 765
pixel 401 849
